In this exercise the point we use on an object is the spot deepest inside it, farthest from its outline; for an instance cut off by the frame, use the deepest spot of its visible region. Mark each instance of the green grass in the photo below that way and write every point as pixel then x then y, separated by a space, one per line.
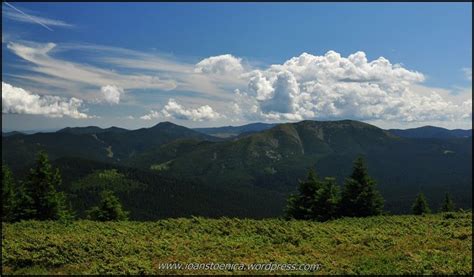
pixel 431 244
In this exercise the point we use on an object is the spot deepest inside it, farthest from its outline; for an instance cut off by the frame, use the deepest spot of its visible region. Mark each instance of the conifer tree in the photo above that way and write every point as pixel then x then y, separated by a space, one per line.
pixel 41 201
pixel 300 206
pixel 359 196
pixel 316 199
pixel 326 201
pixel 448 205
pixel 420 206
pixel 109 208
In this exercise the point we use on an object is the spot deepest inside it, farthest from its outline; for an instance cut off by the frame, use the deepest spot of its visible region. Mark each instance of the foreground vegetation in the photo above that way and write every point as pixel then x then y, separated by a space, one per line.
pixel 429 244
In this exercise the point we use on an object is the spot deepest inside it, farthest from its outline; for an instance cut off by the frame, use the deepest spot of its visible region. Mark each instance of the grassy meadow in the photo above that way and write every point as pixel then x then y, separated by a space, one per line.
pixel 430 244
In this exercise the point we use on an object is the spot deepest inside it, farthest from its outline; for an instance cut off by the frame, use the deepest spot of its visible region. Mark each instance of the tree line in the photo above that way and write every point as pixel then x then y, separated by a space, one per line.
pixel 322 199
pixel 37 198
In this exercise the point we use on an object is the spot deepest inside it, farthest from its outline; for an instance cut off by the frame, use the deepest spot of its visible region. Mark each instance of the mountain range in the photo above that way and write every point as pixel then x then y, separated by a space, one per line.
pixel 431 132
pixel 248 171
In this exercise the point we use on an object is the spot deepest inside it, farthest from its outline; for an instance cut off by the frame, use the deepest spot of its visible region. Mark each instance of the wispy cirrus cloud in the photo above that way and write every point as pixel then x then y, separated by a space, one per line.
pixel 124 68
pixel 21 15
pixel 42 63
pixel 40 55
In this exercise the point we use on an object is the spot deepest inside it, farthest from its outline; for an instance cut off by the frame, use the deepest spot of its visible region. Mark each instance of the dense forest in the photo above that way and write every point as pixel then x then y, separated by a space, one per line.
pixel 99 196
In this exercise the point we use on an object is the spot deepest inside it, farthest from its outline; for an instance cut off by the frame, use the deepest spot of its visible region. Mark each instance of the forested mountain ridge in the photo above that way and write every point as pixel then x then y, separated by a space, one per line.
pixel 269 161
pixel 234 131
pixel 108 145
pixel 431 132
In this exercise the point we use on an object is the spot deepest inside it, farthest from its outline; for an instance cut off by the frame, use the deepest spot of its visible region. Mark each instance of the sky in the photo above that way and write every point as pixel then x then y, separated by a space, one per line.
pixel 132 65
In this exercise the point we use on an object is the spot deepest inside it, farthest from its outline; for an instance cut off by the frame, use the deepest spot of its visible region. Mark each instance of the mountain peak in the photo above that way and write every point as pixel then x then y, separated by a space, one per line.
pixel 81 130
pixel 337 123
pixel 166 124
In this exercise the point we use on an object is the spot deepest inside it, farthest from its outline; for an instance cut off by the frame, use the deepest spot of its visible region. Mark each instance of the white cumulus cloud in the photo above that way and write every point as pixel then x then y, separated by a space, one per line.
pixel 334 87
pixel 176 111
pixel 19 101
pixel 222 64
pixel 111 94
pixel 151 115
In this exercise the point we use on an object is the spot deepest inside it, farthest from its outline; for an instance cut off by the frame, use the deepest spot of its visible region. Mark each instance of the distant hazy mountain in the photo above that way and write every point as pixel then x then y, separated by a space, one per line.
pixel 233 131
pixel 268 162
pixel 91 130
pixel 431 132
pixel 31 131
pixel 12 133
pixel 108 145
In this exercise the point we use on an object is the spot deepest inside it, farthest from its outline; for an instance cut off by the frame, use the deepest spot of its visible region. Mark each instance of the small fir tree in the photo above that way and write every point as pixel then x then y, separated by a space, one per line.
pixel 420 206
pixel 359 196
pixel 109 208
pixel 40 200
pixel 316 199
pixel 300 206
pixel 448 204
pixel 325 206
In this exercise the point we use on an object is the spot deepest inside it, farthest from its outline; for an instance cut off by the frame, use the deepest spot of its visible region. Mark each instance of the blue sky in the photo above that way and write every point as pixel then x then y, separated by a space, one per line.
pixel 208 64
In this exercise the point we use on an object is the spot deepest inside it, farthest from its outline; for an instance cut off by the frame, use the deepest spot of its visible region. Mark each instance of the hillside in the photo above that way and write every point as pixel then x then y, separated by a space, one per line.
pixel 431 244
pixel 150 195
pixel 234 131
pixel 275 158
pixel 108 145
pixel 265 164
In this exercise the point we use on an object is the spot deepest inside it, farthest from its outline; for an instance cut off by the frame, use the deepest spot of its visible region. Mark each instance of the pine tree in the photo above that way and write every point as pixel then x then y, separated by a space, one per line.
pixel 300 206
pixel 24 208
pixel 326 201
pixel 448 205
pixel 9 201
pixel 41 201
pixel 316 199
pixel 421 205
pixel 359 196
pixel 109 209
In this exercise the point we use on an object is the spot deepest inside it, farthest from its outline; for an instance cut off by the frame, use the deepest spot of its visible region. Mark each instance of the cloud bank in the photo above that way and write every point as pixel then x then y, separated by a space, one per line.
pixel 335 87
pixel 19 101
